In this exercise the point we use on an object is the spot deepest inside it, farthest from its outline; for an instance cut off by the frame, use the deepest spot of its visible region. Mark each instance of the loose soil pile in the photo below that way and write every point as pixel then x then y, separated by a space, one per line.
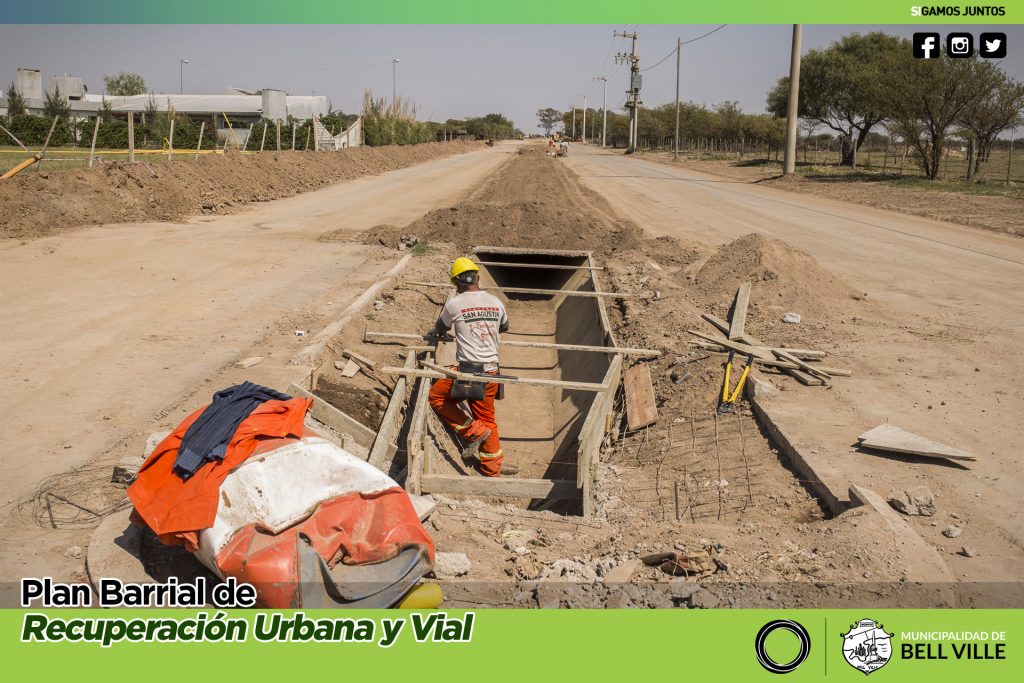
pixel 532 202
pixel 40 204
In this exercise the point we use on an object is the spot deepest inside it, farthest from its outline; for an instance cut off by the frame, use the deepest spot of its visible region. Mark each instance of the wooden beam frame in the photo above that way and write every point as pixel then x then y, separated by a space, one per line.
pixel 499 487
pixel 530 290
pixel 414 446
pixel 437 372
pixel 786 365
pixel 529 345
pixel 391 421
pixel 337 420
pixel 506 264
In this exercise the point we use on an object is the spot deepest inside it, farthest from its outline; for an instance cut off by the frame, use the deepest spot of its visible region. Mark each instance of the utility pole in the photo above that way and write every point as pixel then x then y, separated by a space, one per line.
pixel 675 141
pixel 584 119
pixel 394 80
pixel 633 94
pixel 604 108
pixel 181 74
pixel 794 96
pixel 574 122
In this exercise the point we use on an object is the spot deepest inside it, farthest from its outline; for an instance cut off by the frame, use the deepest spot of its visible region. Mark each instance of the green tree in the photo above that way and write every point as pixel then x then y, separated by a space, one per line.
pixel 15 102
pixel 844 87
pixel 548 118
pixel 985 118
pixel 930 95
pixel 124 84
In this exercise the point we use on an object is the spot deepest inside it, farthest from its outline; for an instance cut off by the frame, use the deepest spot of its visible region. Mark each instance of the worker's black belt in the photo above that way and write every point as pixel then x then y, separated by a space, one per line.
pixel 464 390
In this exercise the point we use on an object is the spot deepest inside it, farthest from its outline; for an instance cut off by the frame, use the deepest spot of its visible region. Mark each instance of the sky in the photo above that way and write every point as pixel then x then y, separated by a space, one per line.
pixel 449 71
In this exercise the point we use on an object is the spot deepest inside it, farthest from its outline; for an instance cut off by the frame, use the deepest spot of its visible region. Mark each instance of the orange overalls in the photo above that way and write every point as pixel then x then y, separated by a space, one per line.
pixel 467 427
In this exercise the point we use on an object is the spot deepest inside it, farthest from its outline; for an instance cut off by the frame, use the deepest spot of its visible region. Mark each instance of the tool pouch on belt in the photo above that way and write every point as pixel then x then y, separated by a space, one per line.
pixel 469 391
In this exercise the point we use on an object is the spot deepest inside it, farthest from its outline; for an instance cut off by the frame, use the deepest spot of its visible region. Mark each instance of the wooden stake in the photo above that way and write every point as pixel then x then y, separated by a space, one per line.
pixel 264 138
pixel 199 145
pixel 92 148
pixel 170 141
pixel 131 137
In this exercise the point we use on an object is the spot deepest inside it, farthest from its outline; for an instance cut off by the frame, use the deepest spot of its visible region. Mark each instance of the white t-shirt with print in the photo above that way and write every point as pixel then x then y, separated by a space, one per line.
pixel 475 317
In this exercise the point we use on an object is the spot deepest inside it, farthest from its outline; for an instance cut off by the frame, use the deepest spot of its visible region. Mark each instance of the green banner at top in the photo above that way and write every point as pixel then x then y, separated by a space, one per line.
pixel 518 12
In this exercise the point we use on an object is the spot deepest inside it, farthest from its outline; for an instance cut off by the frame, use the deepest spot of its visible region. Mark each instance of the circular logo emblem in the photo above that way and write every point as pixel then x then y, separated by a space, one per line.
pixel 771 627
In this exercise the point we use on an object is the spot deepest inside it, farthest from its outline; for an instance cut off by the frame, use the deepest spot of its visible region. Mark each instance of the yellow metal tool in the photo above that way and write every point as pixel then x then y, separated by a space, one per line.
pixel 728 399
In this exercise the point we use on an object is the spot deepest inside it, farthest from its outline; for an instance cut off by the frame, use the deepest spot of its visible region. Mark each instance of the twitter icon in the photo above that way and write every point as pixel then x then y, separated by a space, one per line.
pixel 993 45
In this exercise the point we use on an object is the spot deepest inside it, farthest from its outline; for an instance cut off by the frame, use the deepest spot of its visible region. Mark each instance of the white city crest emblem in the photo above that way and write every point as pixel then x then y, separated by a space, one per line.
pixel 867 647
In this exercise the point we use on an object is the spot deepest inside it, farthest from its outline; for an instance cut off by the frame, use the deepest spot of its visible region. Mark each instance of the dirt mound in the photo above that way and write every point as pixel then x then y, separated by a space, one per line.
pixel 40 204
pixel 783 277
pixel 534 201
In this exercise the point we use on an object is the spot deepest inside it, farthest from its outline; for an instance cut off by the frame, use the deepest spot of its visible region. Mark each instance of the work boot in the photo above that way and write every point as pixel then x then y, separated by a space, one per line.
pixel 475 434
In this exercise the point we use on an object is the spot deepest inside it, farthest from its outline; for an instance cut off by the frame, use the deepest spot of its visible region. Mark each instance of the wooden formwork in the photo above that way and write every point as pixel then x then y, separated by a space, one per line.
pixel 588 429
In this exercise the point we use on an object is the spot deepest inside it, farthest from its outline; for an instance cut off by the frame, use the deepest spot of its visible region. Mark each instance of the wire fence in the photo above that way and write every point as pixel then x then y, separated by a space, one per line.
pixel 1004 164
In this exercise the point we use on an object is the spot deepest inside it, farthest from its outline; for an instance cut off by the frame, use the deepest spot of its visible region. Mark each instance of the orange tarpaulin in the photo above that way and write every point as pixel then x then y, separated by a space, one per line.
pixel 177 510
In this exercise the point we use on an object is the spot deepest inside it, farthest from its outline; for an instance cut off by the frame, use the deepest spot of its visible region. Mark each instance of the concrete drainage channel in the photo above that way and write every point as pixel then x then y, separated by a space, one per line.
pixel 557 409
pixel 558 417
pixel 923 561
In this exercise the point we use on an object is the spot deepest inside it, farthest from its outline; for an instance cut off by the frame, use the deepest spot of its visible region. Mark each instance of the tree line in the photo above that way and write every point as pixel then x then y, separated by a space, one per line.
pixel 860 85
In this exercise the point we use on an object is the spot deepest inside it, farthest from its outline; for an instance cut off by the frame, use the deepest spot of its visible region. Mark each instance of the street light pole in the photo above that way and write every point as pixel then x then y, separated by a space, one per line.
pixel 792 110
pixel 394 77
pixel 675 142
pixel 181 75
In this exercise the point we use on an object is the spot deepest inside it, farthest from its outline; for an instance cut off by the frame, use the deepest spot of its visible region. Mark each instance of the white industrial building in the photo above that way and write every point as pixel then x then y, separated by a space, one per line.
pixel 241 107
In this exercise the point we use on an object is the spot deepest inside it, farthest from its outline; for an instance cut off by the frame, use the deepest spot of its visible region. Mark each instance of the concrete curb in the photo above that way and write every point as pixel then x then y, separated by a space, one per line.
pixel 759 393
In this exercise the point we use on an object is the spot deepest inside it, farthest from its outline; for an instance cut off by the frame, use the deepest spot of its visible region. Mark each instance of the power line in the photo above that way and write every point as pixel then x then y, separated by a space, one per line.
pixel 286 69
pixel 685 42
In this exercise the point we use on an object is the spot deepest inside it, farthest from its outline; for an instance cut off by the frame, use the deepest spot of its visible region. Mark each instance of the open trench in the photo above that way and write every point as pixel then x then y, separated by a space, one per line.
pixel 540 426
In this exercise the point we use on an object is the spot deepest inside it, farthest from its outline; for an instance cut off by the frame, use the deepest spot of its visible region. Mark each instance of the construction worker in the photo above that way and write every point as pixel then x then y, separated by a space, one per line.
pixel 478 319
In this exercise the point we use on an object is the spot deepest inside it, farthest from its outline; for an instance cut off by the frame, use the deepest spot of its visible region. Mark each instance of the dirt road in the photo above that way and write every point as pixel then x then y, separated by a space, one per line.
pixel 937 349
pixel 108 326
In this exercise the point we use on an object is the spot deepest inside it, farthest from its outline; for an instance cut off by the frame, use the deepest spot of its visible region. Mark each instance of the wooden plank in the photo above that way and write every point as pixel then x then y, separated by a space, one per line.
pixel 436 372
pixel 336 419
pixel 390 423
pixel 508 264
pixel 745 349
pixel 887 437
pixel 349 368
pixel 641 409
pixel 530 290
pixel 803 354
pixel 417 432
pixel 817 372
pixel 786 365
pixel 805 378
pixel 739 312
pixel 360 359
pixel 528 345
pixel 594 425
pixel 368 367
pixel 499 487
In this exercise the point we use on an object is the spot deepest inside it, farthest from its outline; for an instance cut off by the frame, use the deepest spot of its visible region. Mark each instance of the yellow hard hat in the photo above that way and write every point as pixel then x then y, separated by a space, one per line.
pixel 462 265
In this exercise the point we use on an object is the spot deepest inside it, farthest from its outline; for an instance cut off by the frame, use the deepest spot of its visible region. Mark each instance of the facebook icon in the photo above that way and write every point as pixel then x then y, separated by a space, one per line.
pixel 926 45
